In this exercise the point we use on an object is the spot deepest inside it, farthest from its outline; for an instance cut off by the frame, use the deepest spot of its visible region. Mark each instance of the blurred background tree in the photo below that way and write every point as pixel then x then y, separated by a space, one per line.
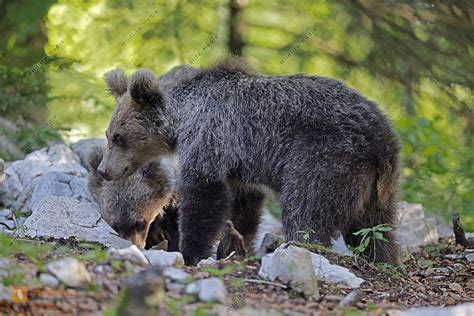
pixel 415 58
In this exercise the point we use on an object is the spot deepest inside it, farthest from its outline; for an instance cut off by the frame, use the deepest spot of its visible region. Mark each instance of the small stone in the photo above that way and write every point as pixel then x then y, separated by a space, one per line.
pixel 102 269
pixel 70 271
pixel 269 243
pixel 176 274
pixel 207 262
pixel 442 270
pixel 457 267
pixel 131 253
pixel 470 257
pixel 293 266
pixel 455 287
pixel 48 280
pixel 8 223
pixel 454 256
pixel 333 273
pixel 173 286
pixel 145 292
pixel 21 221
pixel 164 258
pixel 6 213
pixel 208 290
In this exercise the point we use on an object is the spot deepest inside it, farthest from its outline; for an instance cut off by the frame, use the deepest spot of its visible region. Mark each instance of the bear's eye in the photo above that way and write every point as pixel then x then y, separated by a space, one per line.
pixel 118 140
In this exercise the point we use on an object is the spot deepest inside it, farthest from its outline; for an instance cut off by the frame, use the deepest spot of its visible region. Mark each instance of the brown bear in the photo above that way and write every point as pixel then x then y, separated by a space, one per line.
pixel 140 208
pixel 330 153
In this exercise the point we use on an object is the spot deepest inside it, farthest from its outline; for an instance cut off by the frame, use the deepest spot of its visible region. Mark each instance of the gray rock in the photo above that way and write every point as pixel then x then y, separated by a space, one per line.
pixel 268 244
pixel 164 258
pixel 21 221
pixel 59 184
pixel 131 253
pixel 6 213
pixel 207 262
pixel 339 246
pixel 8 223
pixel 418 233
pixel 408 212
pixel 84 147
pixel 174 286
pixel 333 273
pixel 69 271
pixel 2 172
pixel 292 266
pixel 63 217
pixel 268 225
pixel 208 290
pixel 21 175
pixel 177 275
pixel 455 256
pixel 466 309
pixel 444 230
pixel 470 257
pixel 4 266
pixel 48 280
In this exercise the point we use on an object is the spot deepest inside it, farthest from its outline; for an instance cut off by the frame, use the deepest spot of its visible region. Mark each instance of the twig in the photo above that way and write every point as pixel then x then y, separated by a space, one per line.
pixel 352 298
pixel 229 256
pixel 265 282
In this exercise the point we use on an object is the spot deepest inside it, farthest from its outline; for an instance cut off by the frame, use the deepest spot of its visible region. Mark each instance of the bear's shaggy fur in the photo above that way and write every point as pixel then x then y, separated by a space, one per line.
pixel 140 208
pixel 330 153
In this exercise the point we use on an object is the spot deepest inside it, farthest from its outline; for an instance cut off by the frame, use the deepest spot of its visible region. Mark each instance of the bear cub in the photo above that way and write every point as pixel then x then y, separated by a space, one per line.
pixel 141 208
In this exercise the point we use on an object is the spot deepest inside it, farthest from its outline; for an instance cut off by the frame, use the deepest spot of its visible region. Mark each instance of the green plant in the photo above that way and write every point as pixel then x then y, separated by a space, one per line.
pixel 227 269
pixel 306 234
pixel 371 235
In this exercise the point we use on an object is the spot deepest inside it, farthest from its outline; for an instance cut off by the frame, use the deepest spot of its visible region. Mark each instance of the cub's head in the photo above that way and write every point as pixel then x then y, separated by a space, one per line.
pixel 135 135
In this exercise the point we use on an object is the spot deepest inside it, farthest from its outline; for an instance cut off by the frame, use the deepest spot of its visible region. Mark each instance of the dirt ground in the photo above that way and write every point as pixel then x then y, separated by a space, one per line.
pixel 428 277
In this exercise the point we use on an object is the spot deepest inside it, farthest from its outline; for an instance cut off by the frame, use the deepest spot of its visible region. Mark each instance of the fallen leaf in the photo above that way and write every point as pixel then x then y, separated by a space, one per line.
pixel 455 287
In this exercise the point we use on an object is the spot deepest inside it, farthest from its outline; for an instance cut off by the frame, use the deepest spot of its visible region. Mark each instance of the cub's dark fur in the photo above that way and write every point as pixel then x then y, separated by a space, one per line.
pixel 330 153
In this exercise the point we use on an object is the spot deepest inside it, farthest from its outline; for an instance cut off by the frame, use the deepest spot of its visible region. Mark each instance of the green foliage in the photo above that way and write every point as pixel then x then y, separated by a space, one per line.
pixel 95 253
pixel 227 269
pixel 23 103
pixel 32 250
pixel 371 236
pixel 306 234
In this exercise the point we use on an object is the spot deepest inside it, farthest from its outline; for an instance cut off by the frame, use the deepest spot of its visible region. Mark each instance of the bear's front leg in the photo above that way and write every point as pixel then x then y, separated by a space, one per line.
pixel 204 206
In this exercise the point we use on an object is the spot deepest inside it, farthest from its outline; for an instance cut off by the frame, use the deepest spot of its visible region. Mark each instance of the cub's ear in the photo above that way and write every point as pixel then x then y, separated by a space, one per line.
pixel 116 82
pixel 95 157
pixel 144 88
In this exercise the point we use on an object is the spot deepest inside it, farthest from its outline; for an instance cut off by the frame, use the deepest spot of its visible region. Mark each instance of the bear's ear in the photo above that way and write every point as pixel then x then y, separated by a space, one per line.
pixel 144 88
pixel 116 82
pixel 94 157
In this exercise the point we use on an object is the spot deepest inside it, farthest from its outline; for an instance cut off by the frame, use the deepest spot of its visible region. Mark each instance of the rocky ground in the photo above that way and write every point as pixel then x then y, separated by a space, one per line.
pixel 58 256
pixel 66 276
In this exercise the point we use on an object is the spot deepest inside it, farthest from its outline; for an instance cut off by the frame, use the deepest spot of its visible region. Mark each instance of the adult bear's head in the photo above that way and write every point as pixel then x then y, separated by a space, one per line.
pixel 135 134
